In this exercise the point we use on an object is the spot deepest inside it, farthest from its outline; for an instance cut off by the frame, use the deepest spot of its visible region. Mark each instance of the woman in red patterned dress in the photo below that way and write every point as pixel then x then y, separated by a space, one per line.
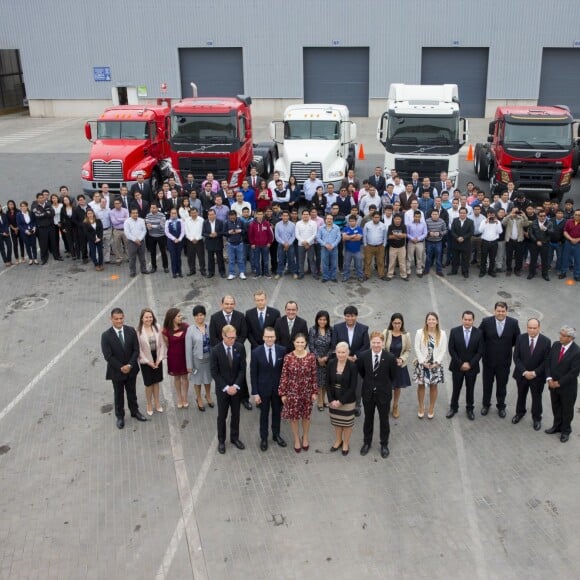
pixel 299 389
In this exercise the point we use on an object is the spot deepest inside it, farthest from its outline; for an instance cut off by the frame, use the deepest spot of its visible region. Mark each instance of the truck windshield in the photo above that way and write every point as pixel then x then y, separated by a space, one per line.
pixel 123 130
pixel 328 130
pixel 203 129
pixel 422 130
pixel 538 135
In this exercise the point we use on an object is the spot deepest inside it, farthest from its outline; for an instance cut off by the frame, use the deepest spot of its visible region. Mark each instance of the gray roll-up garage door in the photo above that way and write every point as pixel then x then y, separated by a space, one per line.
pixel 464 67
pixel 325 79
pixel 217 72
pixel 560 78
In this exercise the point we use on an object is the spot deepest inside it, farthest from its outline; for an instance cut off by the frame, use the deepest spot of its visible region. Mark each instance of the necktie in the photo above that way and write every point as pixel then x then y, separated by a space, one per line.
pixel 230 357
pixel 532 346
pixel 561 355
pixel 261 317
pixel 290 326
pixel 500 328
pixel 270 359
pixel 376 364
pixel 466 337
pixel 141 187
pixel 121 337
pixel 229 318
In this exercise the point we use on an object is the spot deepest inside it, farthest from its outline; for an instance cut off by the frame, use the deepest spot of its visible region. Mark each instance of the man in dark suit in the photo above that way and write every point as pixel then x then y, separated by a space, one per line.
pixel 190 185
pixel 378 180
pixel 530 354
pixel 378 369
pixel 228 370
pixel 465 349
pixel 499 337
pixel 350 178
pixel 259 318
pixel 141 205
pixel 462 230
pixel 213 236
pixel 288 326
pixel 356 335
pixel 143 187
pixel 562 370
pixel 120 348
pixel 265 373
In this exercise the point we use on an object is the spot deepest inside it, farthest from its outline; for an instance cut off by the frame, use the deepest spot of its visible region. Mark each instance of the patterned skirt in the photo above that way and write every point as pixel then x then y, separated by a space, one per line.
pixel 342 417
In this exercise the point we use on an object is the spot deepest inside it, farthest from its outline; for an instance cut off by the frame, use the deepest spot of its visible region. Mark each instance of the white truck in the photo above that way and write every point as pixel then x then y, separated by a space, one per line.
pixel 422 131
pixel 315 137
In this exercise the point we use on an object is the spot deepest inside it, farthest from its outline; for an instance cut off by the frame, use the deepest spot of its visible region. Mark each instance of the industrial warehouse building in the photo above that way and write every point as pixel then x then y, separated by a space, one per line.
pixel 73 56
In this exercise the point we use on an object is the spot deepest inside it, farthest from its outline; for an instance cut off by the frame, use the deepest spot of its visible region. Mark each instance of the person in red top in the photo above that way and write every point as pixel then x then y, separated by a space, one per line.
pixel 260 236
pixel 263 196
pixel 571 246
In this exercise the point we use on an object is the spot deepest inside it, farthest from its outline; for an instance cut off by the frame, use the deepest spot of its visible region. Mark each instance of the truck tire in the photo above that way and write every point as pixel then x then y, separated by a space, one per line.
pixel 575 161
pixel 155 181
pixel 483 169
pixel 476 160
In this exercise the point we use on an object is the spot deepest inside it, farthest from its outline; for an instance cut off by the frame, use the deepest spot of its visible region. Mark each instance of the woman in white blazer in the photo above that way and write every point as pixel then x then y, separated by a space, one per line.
pixel 152 353
pixel 430 350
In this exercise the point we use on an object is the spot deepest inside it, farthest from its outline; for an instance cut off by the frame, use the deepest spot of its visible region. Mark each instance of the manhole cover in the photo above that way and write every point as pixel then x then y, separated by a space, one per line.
pixel 25 303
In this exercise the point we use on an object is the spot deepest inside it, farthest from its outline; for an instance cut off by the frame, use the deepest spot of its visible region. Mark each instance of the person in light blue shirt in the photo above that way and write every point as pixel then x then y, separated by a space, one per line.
pixel 329 237
pixel 285 234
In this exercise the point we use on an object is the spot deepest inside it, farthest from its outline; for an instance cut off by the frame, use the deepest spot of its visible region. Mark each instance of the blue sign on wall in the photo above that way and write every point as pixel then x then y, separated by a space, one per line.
pixel 102 74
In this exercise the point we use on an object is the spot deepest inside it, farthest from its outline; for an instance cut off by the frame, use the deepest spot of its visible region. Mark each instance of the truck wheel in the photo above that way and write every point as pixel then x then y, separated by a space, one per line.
pixel 575 162
pixel 492 184
pixel 476 161
pixel 483 169
pixel 269 166
pixel 155 181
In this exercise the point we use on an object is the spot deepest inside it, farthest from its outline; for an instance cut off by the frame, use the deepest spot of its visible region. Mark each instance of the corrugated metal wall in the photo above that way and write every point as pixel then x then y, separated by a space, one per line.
pixel 61 42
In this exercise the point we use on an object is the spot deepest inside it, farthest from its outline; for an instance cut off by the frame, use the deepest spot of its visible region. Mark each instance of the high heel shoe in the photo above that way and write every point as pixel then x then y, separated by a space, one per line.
pixel 298 449
pixel 186 405
pixel 421 412
pixel 149 410
pixel 159 409
pixel 200 407
pixel 210 403
pixel 180 405
pixel 305 447
pixel 431 414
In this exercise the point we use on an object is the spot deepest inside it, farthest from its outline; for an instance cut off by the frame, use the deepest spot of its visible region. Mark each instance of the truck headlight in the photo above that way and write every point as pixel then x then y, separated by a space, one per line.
pixel 504 176
pixel 335 174
pixel 85 173
pixel 137 172
pixel 565 179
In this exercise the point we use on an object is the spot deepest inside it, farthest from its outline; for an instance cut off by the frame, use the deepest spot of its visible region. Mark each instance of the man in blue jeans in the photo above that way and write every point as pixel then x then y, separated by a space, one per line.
pixel 328 237
pixel 234 232
pixel 352 236
pixel 436 230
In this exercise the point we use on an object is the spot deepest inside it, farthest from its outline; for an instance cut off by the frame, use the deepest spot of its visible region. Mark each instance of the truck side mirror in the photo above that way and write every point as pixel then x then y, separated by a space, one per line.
pixel 352 131
pixel 490 138
pixel 491 129
pixel 88 131
pixel 273 126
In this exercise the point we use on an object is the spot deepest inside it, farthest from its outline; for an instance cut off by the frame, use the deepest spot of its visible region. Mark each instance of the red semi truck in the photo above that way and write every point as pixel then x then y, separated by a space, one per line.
pixel 532 146
pixel 197 135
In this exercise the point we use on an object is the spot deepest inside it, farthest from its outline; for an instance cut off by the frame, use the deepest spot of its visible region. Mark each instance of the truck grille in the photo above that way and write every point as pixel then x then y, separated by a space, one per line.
pixel 536 175
pixel 104 171
pixel 424 167
pixel 301 171
pixel 201 166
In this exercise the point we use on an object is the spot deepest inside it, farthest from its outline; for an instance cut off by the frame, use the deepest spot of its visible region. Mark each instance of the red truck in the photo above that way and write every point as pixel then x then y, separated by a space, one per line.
pixel 214 134
pixel 532 146
pixel 130 139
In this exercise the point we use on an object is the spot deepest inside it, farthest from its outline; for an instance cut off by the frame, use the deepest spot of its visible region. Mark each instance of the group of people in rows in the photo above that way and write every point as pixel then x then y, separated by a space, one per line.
pixel 340 367
pixel 289 228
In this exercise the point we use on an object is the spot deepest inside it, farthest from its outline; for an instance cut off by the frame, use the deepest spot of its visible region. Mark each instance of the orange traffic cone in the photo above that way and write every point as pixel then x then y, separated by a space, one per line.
pixel 361 151
pixel 469 153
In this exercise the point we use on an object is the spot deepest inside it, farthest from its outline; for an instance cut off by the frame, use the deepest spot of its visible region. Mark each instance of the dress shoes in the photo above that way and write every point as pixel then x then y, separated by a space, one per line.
pixel 484 411
pixel 384 451
pixel 279 440
pixel 334 449
pixel 564 437
pixel 451 413
pixel 120 422
pixel 553 430
pixel 345 452
pixel 516 419
pixel 546 277
pixel 470 415
pixel 537 425
pixel 237 443
pixel 247 405
pixel 221 448
pixel 264 445
pixel 139 416
pixel 365 449
pixel 501 413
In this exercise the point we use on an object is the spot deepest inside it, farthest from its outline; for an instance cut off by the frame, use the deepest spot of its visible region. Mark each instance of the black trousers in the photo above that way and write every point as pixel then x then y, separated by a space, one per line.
pixel 461 255
pixel 17 243
pixel 501 375
pixel 514 251
pixel 6 248
pixel 488 250
pixel 563 400
pixel 270 402
pixel 128 386
pixel 536 388
pixel 458 377
pixel 541 251
pixel 274 257
pixel 225 403
pixel 47 241
pixel 152 244
pixel 212 256
pixel 194 251
pixel 80 243
pixel 383 408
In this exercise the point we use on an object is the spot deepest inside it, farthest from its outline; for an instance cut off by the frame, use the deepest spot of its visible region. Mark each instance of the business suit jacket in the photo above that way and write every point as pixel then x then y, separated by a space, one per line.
pixel 458 231
pixel 524 361
pixel 379 182
pixel 146 192
pixel 459 353
pixel 118 355
pixel 213 244
pixel 407 199
pixel 221 372
pixel 345 183
pixel 360 338
pixel 218 321
pixel 143 210
pixel 91 233
pixel 347 392
pixel 567 370
pixel 145 355
pixel 264 377
pixel 254 330
pixel 497 352
pixel 283 337
pixel 379 381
